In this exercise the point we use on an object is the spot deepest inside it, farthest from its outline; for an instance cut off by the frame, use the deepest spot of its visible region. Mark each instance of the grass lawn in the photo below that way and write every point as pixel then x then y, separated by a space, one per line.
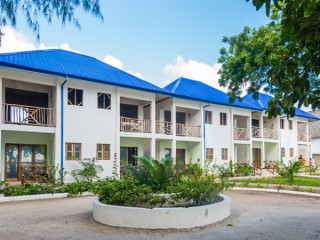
pixel 298 181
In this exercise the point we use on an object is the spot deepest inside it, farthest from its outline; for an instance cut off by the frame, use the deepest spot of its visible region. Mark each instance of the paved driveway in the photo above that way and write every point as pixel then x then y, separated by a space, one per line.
pixel 254 216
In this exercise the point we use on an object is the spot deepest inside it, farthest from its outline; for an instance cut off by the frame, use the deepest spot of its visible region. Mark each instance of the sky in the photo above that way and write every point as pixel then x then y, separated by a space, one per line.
pixel 156 40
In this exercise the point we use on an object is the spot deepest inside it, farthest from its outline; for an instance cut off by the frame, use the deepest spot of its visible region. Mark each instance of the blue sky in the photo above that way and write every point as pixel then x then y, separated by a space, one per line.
pixel 148 35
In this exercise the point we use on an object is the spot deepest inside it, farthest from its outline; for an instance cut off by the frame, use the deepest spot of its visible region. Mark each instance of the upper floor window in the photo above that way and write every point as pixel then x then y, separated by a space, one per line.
pixel 281 123
pixel 283 152
pixel 209 154
pixel 224 153
pixel 73 151
pixel 104 100
pixel 290 125
pixel 208 116
pixel 103 151
pixel 75 97
pixel 223 119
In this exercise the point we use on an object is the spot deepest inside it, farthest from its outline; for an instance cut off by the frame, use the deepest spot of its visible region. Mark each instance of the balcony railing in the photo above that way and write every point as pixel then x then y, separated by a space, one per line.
pixel 270 133
pixel 135 125
pixel 256 132
pixel 303 136
pixel 28 115
pixel 241 134
pixel 164 127
pixel 188 130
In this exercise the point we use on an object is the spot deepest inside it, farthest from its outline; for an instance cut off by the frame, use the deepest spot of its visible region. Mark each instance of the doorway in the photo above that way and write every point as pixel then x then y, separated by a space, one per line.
pixel 181 161
pixel 23 155
pixel 256 157
pixel 127 155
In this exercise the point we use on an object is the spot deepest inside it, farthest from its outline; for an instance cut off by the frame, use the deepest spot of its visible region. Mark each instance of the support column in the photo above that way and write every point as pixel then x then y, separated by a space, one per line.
pixel 153 116
pixel 117 132
pixel 173 118
pixel 173 150
pixel 57 136
pixel 263 157
pixel 153 148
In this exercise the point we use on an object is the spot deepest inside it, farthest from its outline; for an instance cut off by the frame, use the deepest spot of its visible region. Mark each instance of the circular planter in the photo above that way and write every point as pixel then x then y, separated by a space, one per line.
pixel 161 218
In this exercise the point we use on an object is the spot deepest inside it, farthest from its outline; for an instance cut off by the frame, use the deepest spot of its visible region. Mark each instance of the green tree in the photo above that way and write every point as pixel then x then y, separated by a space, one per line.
pixel 283 57
pixel 47 9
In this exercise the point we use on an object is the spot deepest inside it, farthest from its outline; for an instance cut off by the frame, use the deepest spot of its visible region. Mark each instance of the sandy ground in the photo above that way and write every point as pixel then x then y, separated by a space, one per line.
pixel 254 216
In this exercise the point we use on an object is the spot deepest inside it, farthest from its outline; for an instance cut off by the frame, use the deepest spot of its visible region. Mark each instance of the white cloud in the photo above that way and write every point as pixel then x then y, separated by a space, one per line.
pixel 195 70
pixel 14 41
pixel 116 62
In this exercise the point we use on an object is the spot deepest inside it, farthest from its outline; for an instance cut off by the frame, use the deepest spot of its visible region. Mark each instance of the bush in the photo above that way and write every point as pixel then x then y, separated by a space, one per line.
pixel 288 171
pixel 156 174
pixel 128 192
pixel 89 171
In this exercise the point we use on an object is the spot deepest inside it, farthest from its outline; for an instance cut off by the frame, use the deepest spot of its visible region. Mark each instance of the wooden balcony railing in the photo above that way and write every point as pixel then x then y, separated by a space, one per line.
pixel 241 134
pixel 33 173
pixel 135 125
pixel 164 127
pixel 28 115
pixel 302 136
pixel 256 132
pixel 188 130
pixel 270 133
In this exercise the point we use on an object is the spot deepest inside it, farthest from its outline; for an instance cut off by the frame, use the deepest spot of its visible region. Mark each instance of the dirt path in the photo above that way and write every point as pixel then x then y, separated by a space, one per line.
pixel 254 216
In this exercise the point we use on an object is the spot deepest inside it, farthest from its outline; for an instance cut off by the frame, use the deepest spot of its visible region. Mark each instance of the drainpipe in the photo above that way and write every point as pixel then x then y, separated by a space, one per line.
pixel 204 128
pixel 62 123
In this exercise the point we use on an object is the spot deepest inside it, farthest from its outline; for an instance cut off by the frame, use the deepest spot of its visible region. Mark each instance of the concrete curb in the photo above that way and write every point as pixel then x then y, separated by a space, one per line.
pixel 277 191
pixel 40 197
pixel 161 218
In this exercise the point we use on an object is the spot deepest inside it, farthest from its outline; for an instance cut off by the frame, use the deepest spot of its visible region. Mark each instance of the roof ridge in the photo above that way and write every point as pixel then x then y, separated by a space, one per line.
pixel 176 85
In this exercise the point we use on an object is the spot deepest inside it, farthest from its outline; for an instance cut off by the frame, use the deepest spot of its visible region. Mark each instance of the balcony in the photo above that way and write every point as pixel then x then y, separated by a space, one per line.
pixel 135 125
pixel 164 127
pixel 256 132
pixel 188 130
pixel 241 134
pixel 28 115
pixel 302 136
pixel 270 133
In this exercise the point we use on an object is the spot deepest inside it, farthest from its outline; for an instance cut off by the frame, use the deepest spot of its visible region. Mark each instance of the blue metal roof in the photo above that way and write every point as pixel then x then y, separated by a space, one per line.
pixel 61 63
pixel 192 89
pixel 263 102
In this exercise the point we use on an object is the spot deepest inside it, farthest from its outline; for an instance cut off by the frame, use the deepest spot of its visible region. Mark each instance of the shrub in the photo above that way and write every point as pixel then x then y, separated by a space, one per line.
pixel 288 171
pixel 89 171
pixel 156 174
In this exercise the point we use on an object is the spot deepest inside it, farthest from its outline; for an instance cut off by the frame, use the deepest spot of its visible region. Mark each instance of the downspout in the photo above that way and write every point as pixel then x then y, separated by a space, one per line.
pixel 204 129
pixel 62 123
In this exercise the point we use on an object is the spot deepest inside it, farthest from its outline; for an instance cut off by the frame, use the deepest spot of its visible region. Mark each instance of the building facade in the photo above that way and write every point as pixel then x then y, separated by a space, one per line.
pixel 59 106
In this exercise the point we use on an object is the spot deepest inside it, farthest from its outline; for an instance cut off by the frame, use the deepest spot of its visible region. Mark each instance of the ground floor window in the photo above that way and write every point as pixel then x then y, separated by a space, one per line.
pixel 291 152
pixel 103 151
pixel 20 156
pixel 224 153
pixel 73 151
pixel 127 155
pixel 209 154
pixel 283 152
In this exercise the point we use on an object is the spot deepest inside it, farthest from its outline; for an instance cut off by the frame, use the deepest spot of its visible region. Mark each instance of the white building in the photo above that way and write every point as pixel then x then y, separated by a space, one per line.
pixel 59 106
pixel 314 130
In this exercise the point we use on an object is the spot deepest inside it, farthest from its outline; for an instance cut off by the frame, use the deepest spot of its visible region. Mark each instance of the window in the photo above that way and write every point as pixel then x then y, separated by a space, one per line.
pixel 103 151
pixel 73 151
pixel 290 125
pixel 224 153
pixel 104 100
pixel 281 123
pixel 75 97
pixel 223 119
pixel 208 117
pixel 283 152
pixel 209 154
pixel 291 152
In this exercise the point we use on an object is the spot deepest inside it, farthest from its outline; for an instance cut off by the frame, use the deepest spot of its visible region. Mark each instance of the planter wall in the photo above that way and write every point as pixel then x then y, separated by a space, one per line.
pixel 161 218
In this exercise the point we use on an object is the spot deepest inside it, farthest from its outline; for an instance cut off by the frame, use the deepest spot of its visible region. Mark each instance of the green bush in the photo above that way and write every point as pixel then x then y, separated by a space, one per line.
pixel 156 174
pixel 288 171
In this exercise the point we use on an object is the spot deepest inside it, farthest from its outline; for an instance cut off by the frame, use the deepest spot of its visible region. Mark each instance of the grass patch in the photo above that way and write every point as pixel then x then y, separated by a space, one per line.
pixel 298 181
